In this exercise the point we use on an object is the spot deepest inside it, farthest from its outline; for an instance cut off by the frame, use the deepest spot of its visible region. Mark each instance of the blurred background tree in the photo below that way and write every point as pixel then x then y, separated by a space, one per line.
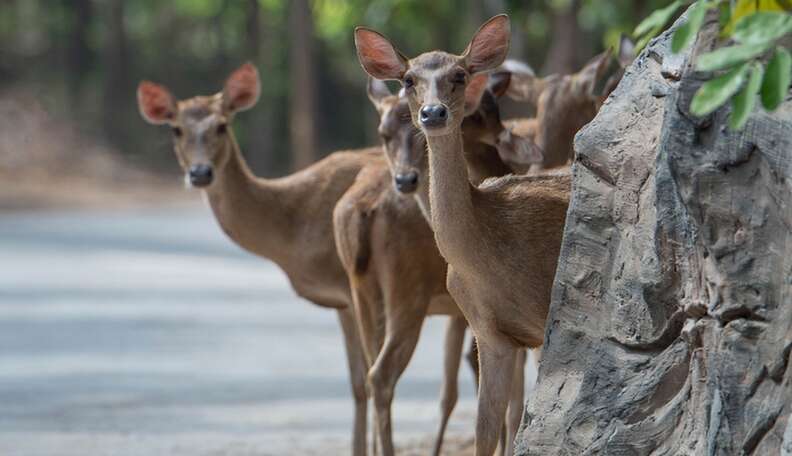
pixel 83 58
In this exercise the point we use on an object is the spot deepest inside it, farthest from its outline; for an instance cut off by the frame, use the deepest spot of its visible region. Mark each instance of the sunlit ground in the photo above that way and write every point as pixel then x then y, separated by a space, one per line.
pixel 148 333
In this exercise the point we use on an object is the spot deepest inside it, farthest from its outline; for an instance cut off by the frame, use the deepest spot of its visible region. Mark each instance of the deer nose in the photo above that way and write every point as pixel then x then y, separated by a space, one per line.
pixel 201 175
pixel 434 115
pixel 406 182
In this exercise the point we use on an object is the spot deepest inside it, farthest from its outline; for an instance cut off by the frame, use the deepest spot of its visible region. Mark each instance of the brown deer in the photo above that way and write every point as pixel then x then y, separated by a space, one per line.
pixel 287 220
pixel 501 239
pixel 564 104
pixel 396 274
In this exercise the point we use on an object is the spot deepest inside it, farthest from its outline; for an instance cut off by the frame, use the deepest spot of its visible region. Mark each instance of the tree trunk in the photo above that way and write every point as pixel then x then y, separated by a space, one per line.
pixel 80 57
pixel 567 48
pixel 671 323
pixel 303 84
pixel 116 64
pixel 259 121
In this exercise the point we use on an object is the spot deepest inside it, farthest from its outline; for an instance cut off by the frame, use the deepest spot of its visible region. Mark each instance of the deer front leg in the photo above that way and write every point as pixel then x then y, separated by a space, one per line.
pixel 454 341
pixel 402 331
pixel 357 376
pixel 516 401
pixel 497 358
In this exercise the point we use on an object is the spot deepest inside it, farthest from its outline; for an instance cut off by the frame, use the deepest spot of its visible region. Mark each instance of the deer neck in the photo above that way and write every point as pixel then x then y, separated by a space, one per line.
pixel 450 194
pixel 252 211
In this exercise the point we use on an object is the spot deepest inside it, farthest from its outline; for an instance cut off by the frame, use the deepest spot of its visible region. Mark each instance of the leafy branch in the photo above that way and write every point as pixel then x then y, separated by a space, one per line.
pixel 753 29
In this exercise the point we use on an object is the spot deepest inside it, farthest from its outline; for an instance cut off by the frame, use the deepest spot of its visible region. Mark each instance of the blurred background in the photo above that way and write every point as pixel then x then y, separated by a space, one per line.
pixel 128 323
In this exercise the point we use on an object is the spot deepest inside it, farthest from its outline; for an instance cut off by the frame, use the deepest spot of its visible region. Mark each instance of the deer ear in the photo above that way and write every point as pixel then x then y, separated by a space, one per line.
pixel 473 92
pixel 378 56
pixel 156 104
pixel 518 150
pixel 499 83
pixel 626 51
pixel 377 91
pixel 489 45
pixel 242 89
pixel 593 77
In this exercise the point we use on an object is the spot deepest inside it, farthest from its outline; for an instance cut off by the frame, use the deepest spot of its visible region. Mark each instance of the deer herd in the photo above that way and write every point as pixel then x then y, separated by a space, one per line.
pixel 457 213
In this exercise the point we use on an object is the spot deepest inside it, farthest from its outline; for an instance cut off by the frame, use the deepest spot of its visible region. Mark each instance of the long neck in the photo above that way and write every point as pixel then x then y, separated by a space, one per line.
pixel 252 211
pixel 450 193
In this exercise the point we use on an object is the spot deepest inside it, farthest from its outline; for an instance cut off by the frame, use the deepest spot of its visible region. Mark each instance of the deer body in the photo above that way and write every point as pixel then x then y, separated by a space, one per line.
pixel 396 273
pixel 501 239
pixel 287 220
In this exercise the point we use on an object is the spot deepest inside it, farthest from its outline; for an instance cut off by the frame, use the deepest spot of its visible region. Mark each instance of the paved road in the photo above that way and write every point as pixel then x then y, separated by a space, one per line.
pixel 149 333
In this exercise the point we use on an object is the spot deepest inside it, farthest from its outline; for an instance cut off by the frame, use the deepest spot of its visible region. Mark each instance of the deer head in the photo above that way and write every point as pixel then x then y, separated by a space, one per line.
pixel 483 122
pixel 405 145
pixel 435 82
pixel 202 137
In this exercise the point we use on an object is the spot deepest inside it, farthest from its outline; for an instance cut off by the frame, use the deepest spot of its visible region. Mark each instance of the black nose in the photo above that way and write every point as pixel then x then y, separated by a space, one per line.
pixel 434 115
pixel 201 175
pixel 406 182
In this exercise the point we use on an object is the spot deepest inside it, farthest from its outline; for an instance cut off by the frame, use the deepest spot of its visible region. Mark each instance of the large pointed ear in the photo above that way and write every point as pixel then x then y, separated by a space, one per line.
pixel 242 89
pixel 518 150
pixel 626 51
pixel 473 92
pixel 377 91
pixel 156 104
pixel 592 78
pixel 499 83
pixel 378 56
pixel 489 45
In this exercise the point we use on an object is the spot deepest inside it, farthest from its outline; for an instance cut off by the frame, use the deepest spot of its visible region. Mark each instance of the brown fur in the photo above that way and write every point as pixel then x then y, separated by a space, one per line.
pixel 501 240
pixel 287 220
pixel 405 276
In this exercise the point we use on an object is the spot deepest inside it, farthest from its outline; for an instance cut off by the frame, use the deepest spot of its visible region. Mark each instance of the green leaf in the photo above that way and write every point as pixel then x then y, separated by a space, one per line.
pixel 686 33
pixel 762 27
pixel 743 8
pixel 777 79
pixel 729 56
pixel 657 19
pixel 745 100
pixel 715 92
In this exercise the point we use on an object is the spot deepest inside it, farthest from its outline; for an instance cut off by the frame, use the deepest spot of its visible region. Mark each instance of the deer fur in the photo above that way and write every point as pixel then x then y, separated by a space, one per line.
pixel 501 239
pixel 287 220
pixel 564 104
pixel 396 273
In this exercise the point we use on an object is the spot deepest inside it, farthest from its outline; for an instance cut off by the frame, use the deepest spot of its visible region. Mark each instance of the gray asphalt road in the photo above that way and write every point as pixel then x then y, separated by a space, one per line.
pixel 149 333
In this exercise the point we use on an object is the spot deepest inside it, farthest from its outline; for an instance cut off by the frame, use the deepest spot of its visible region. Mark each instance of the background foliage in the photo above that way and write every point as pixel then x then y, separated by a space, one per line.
pixel 82 59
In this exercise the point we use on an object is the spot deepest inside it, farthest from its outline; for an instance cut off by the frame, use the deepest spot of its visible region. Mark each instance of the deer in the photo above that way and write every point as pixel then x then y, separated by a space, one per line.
pixel 396 273
pixel 564 104
pixel 501 239
pixel 287 220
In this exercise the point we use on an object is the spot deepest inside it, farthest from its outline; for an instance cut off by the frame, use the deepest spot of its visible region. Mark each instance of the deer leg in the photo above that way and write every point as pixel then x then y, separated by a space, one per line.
pixel 496 357
pixel 402 331
pixel 473 360
pixel 454 341
pixel 516 402
pixel 357 376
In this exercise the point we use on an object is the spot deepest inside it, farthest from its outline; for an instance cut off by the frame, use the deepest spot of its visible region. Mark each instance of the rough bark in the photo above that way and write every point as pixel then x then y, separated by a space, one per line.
pixel 671 322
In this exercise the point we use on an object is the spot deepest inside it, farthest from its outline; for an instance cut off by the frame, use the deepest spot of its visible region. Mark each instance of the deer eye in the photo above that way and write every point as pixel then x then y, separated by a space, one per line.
pixel 458 77
pixel 222 129
pixel 177 132
pixel 409 82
